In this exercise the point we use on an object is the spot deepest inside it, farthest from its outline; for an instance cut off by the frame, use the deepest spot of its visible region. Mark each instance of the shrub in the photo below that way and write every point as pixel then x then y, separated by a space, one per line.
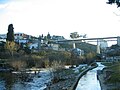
pixel 4 55
pixel 18 64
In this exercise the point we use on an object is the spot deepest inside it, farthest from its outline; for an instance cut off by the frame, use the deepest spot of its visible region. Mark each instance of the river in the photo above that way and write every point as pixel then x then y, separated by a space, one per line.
pixel 89 80
pixel 9 81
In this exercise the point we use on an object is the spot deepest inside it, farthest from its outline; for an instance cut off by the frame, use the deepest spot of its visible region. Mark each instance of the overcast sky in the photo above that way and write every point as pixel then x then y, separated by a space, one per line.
pixel 60 17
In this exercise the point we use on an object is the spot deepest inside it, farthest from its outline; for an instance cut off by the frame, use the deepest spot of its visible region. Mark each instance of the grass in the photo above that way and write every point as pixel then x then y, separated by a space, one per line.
pixel 115 75
pixel 107 63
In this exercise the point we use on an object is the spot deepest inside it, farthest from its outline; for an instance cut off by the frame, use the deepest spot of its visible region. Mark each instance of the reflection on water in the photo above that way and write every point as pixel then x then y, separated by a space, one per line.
pixel 89 81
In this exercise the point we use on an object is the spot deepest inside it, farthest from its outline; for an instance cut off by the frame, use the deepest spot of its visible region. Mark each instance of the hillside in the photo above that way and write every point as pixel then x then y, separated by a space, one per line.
pixel 83 45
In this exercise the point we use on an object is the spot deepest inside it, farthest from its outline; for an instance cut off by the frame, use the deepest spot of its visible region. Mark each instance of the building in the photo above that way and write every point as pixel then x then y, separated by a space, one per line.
pixel 19 37
pixel 3 37
pixel 78 52
pixel 103 44
pixel 57 38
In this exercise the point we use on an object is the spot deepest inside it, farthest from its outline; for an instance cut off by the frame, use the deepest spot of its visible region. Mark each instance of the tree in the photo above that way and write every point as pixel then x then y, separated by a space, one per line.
pixel 114 1
pixel 10 47
pixel 90 57
pixel 10 34
pixel 48 36
pixel 74 35
pixel 10 44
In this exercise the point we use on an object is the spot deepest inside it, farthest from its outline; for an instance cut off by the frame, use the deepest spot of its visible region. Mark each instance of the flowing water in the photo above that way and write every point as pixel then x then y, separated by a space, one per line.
pixel 89 80
pixel 9 81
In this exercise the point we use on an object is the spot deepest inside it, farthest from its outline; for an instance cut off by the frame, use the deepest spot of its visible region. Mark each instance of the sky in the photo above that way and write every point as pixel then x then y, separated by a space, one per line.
pixel 60 17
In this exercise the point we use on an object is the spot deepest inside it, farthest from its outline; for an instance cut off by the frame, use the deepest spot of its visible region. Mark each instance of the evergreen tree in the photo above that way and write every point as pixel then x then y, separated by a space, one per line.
pixel 114 1
pixel 48 36
pixel 10 44
pixel 10 34
pixel 74 35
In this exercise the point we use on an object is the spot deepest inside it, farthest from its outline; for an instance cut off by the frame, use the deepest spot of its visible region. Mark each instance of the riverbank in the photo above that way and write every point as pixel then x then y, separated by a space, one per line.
pixel 104 85
pixel 69 82
pixel 109 77
pixel 102 82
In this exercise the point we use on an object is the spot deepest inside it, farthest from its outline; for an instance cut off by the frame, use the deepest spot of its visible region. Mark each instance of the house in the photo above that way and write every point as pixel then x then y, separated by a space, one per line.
pixel 19 37
pixel 54 46
pixel 78 52
pixel 22 36
pixel 33 46
pixel 3 37
pixel 103 44
pixel 57 38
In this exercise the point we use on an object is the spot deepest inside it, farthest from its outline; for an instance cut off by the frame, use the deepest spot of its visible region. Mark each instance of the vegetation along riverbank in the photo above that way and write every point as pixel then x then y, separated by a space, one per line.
pixel 110 76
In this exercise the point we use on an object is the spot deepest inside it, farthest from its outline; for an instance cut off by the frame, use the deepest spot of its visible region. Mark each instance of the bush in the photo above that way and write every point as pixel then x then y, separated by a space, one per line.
pixel 4 55
pixel 18 64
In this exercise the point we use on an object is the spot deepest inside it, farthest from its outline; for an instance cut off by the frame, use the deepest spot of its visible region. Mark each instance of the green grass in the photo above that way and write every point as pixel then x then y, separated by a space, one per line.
pixel 68 71
pixel 107 63
pixel 115 75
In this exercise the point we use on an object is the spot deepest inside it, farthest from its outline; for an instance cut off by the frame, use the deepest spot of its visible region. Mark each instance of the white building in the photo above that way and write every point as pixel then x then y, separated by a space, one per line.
pixel 3 36
pixel 33 46
pixel 57 38
pixel 78 52
pixel 19 36
pixel 103 44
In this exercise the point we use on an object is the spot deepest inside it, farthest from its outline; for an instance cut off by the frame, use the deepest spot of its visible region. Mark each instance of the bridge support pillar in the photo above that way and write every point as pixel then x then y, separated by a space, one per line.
pixel 74 46
pixel 98 47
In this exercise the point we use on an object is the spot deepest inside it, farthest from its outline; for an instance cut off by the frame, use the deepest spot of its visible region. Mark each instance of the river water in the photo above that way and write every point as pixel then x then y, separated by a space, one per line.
pixel 89 80
pixel 9 81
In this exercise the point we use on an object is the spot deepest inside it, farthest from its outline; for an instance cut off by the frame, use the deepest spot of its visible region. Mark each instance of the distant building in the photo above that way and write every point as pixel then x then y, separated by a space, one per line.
pixel 33 46
pixel 54 46
pixel 57 38
pixel 20 36
pixel 3 36
pixel 78 52
pixel 1 39
pixel 103 44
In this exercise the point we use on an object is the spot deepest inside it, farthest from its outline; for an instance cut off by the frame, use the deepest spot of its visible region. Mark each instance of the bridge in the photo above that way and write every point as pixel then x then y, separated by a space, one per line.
pixel 98 40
